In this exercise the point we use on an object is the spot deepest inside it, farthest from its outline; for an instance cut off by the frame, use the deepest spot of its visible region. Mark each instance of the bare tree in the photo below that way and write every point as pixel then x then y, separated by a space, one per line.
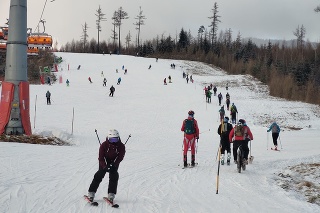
pixel 100 17
pixel 128 40
pixel 214 23
pixel 140 21
pixel 114 34
pixel 200 33
pixel 120 14
pixel 84 36
pixel 300 33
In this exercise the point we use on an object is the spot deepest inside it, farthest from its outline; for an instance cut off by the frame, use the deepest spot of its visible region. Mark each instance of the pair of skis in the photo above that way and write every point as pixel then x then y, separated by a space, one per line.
pixel 94 203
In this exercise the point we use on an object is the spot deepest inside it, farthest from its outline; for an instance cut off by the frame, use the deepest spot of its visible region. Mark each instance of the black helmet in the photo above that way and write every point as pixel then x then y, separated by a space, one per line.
pixel 191 112
pixel 242 121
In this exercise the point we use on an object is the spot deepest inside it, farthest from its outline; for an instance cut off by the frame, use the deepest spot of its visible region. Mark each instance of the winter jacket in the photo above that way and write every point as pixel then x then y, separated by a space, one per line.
pixel 274 127
pixel 247 134
pixel 227 127
pixel 111 152
pixel 48 94
pixel 195 126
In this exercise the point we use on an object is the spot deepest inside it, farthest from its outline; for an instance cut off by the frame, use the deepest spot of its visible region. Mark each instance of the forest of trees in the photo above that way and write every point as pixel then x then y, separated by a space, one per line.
pixel 291 72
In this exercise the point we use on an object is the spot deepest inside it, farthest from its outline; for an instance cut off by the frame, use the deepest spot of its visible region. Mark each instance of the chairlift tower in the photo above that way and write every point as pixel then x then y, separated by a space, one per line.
pixel 14 105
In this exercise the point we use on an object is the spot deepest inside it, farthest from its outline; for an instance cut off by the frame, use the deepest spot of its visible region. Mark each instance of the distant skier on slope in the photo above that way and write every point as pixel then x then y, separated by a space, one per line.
pixel 191 133
pixel 112 90
pixel 233 112
pixel 111 153
pixel 275 129
pixel 220 98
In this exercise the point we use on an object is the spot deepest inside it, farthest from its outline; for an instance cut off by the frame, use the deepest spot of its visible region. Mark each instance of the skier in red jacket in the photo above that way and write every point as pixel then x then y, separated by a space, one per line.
pixel 240 135
pixel 191 132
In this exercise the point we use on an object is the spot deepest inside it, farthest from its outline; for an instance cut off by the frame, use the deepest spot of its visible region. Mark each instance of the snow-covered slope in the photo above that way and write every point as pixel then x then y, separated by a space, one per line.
pixel 41 178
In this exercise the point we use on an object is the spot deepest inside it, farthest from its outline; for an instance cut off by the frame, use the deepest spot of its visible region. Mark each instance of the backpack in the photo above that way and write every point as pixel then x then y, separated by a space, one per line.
pixel 189 126
pixel 239 130
pixel 233 109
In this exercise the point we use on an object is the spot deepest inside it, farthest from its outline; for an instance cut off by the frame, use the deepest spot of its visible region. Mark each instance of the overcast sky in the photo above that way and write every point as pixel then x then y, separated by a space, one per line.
pixel 267 19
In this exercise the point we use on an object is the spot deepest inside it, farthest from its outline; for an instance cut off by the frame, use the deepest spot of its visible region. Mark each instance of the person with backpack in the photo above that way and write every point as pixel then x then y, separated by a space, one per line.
pixel 233 112
pixel 240 135
pixel 89 79
pixel 220 98
pixel 224 130
pixel 191 133
pixel 275 129
pixel 111 153
pixel 222 113
pixel 208 96
pixel 112 90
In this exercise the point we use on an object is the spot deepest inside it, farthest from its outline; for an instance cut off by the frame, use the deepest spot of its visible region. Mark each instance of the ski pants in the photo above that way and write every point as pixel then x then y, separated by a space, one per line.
pixel 113 180
pixel 189 141
pixel 275 136
pixel 245 148
pixel 48 101
pixel 225 145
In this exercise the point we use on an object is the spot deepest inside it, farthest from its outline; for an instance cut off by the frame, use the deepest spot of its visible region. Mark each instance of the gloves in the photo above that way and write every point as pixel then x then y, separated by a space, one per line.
pixel 109 167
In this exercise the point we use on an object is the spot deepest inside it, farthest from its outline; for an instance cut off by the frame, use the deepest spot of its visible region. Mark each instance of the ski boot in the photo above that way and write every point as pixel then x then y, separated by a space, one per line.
pixel 222 159
pixel 185 164
pixel 91 196
pixel 228 158
pixel 192 161
pixel 111 197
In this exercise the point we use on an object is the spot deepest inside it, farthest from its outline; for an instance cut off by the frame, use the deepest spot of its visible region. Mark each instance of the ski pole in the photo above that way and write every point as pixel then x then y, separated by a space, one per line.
pixel 267 140
pixel 218 171
pixel 280 141
pixel 197 147
pixel 100 145
pixel 97 136
pixel 127 139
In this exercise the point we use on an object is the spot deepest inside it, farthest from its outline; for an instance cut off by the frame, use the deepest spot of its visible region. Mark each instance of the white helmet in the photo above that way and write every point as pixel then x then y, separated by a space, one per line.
pixel 112 133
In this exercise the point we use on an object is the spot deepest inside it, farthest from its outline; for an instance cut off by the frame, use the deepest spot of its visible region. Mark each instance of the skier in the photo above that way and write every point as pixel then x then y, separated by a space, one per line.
pixel 111 153
pixel 125 71
pixel 169 79
pixel 208 96
pixel 119 81
pixel 191 132
pixel 240 135
pixel 227 86
pixel 49 80
pixel 187 78
pixel 233 112
pixel 275 129
pixel 227 100
pixel 222 113
pixel 149 67
pixel 79 67
pixel 165 81
pixel 102 75
pixel 48 95
pixel 224 130
pixel 214 90
pixel 90 80
pixel 67 82
pixel 220 98
pixel 104 82
pixel 112 90
pixel 191 79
